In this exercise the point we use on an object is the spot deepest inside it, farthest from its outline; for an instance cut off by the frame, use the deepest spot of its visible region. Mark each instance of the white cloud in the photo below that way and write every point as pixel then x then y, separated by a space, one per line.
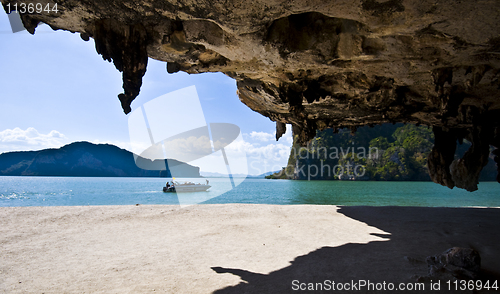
pixel 260 156
pixel 30 139
pixel 288 137
pixel 262 136
pixel 271 157
pixel 266 137
pixel 263 151
pixel 264 157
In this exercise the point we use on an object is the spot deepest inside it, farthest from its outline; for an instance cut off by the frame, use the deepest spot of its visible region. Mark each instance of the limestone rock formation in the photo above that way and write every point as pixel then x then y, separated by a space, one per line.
pixel 455 263
pixel 318 64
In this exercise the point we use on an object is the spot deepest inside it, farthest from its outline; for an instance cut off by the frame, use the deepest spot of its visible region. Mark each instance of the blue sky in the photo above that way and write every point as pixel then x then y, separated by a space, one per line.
pixel 55 89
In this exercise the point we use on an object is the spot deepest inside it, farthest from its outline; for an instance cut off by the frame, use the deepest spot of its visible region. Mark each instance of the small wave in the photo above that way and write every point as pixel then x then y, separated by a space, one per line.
pixel 13 196
pixel 153 191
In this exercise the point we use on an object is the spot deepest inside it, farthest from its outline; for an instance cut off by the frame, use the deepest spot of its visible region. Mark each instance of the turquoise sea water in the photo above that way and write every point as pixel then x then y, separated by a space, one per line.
pixel 62 191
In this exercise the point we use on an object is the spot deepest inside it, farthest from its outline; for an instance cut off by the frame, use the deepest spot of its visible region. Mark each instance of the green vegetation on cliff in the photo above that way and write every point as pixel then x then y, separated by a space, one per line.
pixel 405 158
pixel 386 152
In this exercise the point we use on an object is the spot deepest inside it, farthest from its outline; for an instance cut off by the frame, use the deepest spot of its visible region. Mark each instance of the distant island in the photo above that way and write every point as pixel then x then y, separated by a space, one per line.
pixel 84 159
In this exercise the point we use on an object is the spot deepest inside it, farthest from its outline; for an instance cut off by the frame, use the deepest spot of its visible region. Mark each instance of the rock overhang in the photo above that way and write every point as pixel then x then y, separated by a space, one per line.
pixel 320 65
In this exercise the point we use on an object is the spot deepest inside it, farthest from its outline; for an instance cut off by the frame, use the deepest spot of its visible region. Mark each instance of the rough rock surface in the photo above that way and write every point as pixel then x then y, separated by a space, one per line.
pixel 317 64
pixel 454 263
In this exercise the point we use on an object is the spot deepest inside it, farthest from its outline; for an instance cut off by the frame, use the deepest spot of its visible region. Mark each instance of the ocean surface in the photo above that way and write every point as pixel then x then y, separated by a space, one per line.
pixel 69 191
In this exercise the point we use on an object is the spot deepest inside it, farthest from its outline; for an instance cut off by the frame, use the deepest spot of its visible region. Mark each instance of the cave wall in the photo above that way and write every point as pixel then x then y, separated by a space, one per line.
pixel 317 64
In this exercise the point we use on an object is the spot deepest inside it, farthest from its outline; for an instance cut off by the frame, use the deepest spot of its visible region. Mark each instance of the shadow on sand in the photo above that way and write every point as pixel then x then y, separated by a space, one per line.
pixel 415 233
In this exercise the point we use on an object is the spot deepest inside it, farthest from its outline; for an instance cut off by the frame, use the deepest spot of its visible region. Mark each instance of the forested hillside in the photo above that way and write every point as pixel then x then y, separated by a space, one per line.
pixel 386 152
pixel 84 159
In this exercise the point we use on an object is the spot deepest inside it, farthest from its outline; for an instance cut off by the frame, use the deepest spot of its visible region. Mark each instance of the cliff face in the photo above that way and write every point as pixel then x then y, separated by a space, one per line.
pixel 317 64
pixel 385 152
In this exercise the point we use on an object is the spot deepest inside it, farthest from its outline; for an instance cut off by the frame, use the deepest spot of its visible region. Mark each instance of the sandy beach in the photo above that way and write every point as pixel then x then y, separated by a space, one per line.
pixel 230 248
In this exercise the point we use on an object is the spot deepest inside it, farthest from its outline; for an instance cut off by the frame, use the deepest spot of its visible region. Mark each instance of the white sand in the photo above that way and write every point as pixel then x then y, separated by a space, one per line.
pixel 252 248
